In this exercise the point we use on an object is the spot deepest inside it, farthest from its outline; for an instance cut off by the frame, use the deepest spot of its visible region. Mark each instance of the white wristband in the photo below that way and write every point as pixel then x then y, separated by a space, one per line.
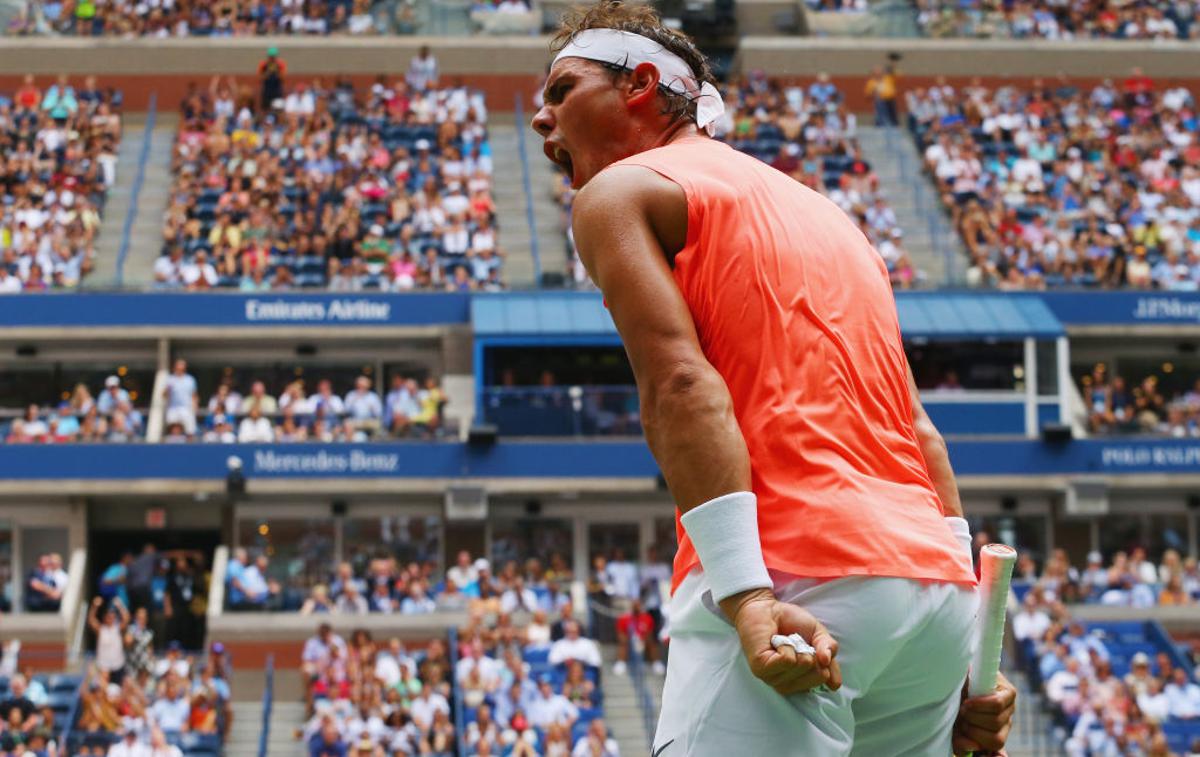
pixel 724 532
pixel 962 532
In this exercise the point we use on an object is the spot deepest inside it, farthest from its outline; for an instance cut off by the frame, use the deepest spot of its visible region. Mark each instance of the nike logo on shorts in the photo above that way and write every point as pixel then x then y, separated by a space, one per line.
pixel 657 752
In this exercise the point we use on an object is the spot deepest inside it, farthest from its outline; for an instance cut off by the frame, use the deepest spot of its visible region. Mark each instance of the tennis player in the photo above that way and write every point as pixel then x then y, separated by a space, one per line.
pixel 823 593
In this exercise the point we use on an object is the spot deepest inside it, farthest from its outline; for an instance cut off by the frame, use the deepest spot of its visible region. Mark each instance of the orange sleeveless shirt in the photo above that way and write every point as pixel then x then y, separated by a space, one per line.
pixel 794 309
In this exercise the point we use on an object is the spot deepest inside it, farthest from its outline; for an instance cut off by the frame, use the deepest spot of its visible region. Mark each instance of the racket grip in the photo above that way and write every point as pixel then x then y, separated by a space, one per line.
pixel 996 563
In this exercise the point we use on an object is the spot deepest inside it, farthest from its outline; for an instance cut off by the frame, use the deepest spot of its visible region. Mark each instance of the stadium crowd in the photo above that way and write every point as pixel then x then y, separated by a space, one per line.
pixel 29 716
pixel 143 689
pixel 1129 580
pixel 531 690
pixel 809 134
pixel 408 409
pixel 109 416
pixel 1116 407
pixel 1056 185
pixel 60 154
pixel 1041 19
pixel 1110 692
pixel 316 185
pixel 235 18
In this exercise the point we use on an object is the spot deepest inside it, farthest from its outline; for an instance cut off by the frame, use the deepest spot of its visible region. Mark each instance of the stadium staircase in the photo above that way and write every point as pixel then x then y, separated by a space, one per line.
pixel 1031 733
pixel 286 718
pixel 622 709
pixel 145 238
pixel 931 242
pixel 511 203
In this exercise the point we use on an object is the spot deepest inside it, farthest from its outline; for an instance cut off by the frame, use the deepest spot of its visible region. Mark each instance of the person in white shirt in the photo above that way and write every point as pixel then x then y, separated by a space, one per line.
pixel 623 574
pixel 596 742
pixel 537 633
pixel 1064 682
pixel 422 70
pixel 171 712
pixel 1031 622
pixel 1154 704
pixel 389 662
pixel 255 429
pixel 518 597
pixel 573 647
pixel 548 708
pixel 9 284
pixel 463 574
pixel 489 668
pixel 168 269
pixel 199 273
pixel 316 649
pixel 1183 696
pixel 425 705
pixel 182 398
pixel 159 746
pixel 129 746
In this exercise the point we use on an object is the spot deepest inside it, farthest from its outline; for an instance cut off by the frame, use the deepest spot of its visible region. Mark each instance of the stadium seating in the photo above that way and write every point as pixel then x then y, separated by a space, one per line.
pixel 1055 186
pixel 1046 20
pixel 1116 406
pixel 387 189
pixel 62 146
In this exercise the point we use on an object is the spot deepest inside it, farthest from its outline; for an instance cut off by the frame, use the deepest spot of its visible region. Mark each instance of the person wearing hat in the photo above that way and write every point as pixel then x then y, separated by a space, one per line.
pixel 1140 676
pixel 271 73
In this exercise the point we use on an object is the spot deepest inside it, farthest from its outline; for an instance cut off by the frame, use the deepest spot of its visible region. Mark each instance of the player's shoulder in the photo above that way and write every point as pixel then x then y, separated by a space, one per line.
pixel 628 189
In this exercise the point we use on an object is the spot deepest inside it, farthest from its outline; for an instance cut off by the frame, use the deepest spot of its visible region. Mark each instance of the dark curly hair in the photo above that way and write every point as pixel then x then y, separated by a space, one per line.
pixel 639 19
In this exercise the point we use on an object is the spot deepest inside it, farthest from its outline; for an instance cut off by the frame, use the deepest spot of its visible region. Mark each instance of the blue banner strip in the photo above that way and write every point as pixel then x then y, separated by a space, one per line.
pixel 512 459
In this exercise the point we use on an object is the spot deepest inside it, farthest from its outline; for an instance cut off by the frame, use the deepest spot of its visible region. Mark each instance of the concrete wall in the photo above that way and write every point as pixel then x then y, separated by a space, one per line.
pixel 508 67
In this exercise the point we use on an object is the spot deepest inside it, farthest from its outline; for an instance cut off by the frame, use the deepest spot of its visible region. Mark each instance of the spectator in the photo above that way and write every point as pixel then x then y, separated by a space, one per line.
pixel 574 647
pixel 363 408
pixel 182 398
pixel 548 708
pixel 350 602
pixel 254 428
pixel 422 70
pixel 637 624
pixel 596 742
pixel 271 73
pixel 110 645
pixel 45 587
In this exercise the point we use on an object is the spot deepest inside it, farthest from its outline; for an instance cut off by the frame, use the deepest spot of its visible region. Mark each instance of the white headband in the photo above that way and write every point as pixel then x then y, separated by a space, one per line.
pixel 627 50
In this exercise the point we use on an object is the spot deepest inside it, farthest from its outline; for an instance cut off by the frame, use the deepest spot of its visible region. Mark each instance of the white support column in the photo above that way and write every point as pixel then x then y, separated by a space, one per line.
pixel 1031 393
pixel 582 565
pixel 1063 354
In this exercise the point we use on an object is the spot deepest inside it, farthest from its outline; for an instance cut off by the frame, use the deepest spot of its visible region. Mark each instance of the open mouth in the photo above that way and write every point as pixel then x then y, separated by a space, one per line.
pixel 561 158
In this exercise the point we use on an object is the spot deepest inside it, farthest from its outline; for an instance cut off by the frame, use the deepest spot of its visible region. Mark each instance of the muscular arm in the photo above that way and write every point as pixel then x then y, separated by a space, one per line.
pixel 627 220
pixel 937 459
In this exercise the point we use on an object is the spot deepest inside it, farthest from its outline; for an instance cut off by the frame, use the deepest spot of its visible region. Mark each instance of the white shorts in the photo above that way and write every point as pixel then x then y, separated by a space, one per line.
pixel 184 417
pixel 903 646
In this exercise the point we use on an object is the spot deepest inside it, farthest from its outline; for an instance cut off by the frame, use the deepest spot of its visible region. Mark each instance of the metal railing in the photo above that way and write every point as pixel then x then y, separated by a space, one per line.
pixel 268 701
pixel 914 178
pixel 136 189
pixel 637 677
pixel 519 115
